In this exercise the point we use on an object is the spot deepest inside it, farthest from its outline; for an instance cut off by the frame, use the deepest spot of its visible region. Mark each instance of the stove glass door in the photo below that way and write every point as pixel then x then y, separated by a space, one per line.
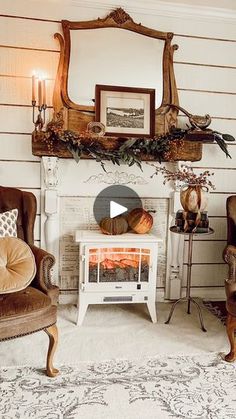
pixel 118 264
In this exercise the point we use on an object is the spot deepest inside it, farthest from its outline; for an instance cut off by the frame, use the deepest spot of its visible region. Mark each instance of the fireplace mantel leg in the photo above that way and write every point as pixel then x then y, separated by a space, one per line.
pixel 49 211
pixel 174 272
pixel 152 310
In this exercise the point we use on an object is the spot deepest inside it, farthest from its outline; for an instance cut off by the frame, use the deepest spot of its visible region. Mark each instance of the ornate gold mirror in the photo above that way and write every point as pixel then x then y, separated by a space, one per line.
pixel 113 51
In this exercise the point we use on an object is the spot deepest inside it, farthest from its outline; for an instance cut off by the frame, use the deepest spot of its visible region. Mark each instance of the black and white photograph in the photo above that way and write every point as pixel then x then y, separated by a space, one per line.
pixel 126 111
pixel 126 116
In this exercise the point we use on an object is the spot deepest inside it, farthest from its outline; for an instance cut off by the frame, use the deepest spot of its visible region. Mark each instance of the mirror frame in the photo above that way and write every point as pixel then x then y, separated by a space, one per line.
pixel 165 117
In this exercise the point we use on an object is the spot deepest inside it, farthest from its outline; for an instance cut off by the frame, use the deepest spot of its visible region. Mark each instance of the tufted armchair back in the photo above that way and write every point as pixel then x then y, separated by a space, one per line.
pixel 231 220
pixel 25 202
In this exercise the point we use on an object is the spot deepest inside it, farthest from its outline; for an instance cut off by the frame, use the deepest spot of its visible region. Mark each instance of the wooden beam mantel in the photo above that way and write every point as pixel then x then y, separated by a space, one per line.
pixel 192 150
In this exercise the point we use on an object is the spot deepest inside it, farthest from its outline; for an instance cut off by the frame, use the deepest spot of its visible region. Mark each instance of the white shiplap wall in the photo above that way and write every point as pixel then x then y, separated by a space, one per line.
pixel 205 67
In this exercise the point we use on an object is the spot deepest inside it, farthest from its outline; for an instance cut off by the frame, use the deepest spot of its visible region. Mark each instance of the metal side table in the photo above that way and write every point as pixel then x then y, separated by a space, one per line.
pixel 188 297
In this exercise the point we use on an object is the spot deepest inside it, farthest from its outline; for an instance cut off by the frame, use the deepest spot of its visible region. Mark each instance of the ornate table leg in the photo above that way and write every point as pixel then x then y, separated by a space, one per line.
pixel 199 313
pixel 190 253
pixel 173 307
pixel 188 297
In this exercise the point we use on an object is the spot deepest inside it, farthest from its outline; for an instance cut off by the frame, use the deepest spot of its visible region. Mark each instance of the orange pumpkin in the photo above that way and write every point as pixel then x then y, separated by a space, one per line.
pixel 140 220
pixel 113 226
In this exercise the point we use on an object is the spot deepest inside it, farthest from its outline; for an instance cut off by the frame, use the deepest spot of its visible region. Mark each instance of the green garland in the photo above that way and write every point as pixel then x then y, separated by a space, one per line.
pixel 132 150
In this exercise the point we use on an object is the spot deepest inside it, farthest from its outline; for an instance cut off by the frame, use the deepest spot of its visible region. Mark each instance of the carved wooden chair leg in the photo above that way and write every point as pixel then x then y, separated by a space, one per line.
pixel 230 327
pixel 53 339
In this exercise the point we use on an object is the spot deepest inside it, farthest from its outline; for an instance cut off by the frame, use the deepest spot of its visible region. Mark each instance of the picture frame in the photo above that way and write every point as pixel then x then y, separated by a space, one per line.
pixel 125 111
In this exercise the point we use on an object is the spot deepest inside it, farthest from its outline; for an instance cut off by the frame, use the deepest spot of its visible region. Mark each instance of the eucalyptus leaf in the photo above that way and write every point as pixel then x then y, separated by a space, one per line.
pixel 76 153
pixel 228 137
pixel 139 165
pixel 125 157
pixel 128 144
pixel 221 143
pixel 103 166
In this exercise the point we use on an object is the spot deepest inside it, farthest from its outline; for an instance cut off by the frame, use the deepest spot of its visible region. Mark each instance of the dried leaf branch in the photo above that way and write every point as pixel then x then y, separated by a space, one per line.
pixel 185 175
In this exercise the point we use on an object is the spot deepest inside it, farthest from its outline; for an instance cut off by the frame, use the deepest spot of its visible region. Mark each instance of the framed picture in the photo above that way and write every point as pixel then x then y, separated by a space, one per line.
pixel 125 111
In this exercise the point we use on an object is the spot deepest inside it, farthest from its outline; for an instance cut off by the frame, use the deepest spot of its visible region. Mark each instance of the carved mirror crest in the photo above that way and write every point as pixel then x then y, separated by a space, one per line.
pixel 113 51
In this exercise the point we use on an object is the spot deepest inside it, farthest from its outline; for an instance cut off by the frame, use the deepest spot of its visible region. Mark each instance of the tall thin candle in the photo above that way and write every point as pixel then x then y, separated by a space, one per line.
pixel 44 91
pixel 40 93
pixel 33 88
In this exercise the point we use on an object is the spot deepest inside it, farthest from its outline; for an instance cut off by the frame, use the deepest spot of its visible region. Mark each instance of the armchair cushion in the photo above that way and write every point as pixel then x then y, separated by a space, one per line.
pixel 17 265
pixel 23 302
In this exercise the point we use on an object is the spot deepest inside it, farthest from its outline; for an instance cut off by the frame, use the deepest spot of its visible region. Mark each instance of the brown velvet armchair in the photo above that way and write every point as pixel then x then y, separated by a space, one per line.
pixel 229 256
pixel 34 308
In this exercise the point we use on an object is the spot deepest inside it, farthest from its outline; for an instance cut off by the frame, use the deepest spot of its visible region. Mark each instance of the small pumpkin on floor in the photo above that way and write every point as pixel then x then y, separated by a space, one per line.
pixel 114 226
pixel 140 221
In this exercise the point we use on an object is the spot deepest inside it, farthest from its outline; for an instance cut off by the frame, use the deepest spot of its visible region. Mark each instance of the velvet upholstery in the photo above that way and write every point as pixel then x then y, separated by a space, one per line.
pixel 17 265
pixel 25 202
pixel 23 302
pixel 33 308
pixel 229 255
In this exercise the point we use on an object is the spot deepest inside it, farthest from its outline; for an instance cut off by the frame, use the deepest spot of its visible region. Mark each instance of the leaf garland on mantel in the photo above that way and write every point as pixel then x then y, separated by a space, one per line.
pixel 130 152
pixel 160 148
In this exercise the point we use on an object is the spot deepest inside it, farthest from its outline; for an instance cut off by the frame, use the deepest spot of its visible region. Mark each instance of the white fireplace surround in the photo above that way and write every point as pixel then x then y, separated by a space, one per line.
pixel 64 178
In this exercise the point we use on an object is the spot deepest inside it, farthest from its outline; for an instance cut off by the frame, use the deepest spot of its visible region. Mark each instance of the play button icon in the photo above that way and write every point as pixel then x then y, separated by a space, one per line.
pixel 115 200
pixel 116 209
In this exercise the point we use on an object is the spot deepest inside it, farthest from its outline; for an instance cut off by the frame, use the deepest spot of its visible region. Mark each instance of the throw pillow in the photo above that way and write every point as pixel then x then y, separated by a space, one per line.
pixel 17 265
pixel 8 227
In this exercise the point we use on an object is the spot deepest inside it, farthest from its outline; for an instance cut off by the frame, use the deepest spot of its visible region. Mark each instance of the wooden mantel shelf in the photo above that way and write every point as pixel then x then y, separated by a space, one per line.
pixel 192 150
pixel 204 136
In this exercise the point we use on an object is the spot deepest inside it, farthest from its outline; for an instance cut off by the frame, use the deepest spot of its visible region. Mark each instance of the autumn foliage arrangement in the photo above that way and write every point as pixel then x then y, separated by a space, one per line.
pixel 185 175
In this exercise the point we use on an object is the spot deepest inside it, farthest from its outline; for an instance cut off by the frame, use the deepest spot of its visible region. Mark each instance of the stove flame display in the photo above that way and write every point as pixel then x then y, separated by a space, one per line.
pixel 118 264
pixel 123 263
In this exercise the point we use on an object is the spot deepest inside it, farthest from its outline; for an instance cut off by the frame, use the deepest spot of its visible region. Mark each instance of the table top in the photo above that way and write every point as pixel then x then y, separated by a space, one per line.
pixel 173 229
pixel 96 236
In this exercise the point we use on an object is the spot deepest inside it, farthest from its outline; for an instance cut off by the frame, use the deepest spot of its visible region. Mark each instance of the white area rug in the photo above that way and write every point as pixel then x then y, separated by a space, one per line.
pixel 162 387
pixel 119 332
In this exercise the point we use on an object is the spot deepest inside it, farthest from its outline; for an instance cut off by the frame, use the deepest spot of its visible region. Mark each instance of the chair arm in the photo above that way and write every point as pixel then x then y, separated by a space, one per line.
pixel 44 262
pixel 229 256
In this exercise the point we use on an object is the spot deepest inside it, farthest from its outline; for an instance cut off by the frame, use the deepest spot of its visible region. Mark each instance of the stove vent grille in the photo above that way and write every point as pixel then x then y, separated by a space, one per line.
pixel 117 299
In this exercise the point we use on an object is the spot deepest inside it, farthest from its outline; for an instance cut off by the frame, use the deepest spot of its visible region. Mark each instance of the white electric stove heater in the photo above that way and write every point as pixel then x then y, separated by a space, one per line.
pixel 117 269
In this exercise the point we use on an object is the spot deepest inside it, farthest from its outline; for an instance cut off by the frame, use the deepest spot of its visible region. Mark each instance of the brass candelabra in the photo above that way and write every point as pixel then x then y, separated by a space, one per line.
pixel 39 92
pixel 40 119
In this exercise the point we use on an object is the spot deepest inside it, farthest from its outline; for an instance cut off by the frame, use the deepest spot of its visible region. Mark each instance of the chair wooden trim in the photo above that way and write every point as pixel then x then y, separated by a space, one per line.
pixel 231 327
